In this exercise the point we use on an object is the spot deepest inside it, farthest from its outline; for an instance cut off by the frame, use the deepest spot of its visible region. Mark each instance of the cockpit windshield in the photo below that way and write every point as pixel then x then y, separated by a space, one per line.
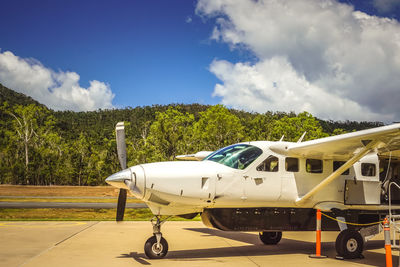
pixel 236 156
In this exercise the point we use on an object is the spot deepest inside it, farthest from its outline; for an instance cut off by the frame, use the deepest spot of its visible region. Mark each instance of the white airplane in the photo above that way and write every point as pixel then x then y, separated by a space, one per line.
pixel 272 187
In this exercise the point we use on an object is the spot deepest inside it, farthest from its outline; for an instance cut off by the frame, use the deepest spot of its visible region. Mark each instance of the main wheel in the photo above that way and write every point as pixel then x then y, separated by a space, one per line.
pixel 153 251
pixel 349 244
pixel 270 238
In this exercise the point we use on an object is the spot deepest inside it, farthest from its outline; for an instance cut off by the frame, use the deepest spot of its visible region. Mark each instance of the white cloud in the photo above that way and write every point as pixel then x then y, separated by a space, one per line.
pixel 385 6
pixel 321 55
pixel 274 85
pixel 57 90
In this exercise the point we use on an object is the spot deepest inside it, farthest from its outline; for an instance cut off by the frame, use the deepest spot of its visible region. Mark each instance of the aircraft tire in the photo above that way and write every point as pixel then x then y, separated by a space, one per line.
pixel 349 244
pixel 270 238
pixel 151 250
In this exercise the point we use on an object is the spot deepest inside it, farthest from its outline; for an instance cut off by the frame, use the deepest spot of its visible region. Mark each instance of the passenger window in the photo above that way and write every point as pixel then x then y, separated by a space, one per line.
pixel 314 165
pixel 338 164
pixel 271 164
pixel 368 169
pixel 292 164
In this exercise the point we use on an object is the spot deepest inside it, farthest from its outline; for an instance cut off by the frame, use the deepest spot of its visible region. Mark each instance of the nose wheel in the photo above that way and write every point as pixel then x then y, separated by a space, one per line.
pixel 156 247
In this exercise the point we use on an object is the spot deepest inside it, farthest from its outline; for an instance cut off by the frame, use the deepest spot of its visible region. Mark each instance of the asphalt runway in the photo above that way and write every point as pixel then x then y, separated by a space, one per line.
pixel 190 244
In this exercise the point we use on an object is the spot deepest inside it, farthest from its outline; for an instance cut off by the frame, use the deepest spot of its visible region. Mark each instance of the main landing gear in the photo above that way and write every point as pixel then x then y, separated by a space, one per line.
pixel 270 238
pixel 349 244
pixel 156 247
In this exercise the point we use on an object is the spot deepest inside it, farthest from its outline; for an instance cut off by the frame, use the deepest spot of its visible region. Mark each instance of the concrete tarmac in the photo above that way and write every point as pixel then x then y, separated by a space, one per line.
pixel 190 244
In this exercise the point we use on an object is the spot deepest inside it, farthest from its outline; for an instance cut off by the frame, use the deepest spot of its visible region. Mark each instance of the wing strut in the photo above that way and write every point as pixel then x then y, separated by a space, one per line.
pixel 371 145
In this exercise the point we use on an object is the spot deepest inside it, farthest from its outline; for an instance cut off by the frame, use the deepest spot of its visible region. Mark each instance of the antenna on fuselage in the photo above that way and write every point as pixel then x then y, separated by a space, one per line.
pixel 280 140
pixel 301 138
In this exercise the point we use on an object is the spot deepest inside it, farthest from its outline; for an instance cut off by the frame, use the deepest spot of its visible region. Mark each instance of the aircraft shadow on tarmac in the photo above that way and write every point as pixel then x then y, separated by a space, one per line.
pixel 256 248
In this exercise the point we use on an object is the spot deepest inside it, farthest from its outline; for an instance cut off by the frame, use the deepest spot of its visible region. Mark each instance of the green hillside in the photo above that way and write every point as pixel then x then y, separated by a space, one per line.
pixel 14 98
pixel 41 146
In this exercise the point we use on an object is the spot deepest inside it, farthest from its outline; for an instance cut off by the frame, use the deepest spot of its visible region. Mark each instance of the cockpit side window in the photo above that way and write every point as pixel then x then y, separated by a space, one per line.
pixel 338 164
pixel 292 164
pixel 368 169
pixel 271 164
pixel 314 166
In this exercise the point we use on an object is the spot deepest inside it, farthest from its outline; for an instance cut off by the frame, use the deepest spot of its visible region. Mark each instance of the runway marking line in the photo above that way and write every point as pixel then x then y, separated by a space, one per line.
pixel 75 234
pixel 50 248
pixel 40 224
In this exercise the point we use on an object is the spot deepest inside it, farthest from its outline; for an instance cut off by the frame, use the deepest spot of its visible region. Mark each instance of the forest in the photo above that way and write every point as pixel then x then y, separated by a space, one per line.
pixel 39 146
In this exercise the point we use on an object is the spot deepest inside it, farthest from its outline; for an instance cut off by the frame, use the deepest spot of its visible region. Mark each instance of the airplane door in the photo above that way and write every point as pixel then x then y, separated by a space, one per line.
pixel 263 181
pixel 208 186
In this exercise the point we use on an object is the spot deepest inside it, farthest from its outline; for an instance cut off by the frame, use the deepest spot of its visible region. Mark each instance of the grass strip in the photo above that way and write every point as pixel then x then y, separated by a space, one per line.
pixel 77 191
pixel 78 215
pixel 74 200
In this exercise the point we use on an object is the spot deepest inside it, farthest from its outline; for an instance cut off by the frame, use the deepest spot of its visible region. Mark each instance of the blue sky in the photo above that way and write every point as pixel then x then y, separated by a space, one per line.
pixel 160 52
pixel 145 50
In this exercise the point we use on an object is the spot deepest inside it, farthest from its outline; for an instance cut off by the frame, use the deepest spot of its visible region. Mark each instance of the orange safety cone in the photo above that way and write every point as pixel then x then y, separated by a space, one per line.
pixel 388 245
pixel 318 238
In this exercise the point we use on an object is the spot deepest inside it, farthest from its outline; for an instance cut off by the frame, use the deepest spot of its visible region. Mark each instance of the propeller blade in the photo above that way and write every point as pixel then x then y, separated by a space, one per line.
pixel 121 146
pixel 121 149
pixel 121 204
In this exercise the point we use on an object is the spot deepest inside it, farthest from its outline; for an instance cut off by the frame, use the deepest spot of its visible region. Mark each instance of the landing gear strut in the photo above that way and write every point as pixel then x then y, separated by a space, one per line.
pixel 156 247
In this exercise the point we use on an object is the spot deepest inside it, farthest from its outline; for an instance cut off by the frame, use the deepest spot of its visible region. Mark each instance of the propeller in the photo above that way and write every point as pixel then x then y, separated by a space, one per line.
pixel 121 204
pixel 121 149
pixel 121 146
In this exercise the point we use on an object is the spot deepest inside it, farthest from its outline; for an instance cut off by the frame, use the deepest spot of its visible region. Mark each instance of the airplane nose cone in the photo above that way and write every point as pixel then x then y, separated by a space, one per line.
pixel 132 179
pixel 120 179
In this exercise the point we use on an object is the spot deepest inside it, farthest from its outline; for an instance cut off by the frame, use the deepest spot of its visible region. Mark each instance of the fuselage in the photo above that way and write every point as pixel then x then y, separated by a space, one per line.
pixel 250 175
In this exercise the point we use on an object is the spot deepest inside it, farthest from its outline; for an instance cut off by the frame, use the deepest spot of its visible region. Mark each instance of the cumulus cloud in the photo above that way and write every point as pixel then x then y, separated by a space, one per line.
pixel 274 85
pixel 385 6
pixel 57 90
pixel 320 56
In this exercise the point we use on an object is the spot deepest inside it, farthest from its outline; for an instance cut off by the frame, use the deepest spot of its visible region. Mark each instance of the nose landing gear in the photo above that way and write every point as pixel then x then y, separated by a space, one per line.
pixel 156 247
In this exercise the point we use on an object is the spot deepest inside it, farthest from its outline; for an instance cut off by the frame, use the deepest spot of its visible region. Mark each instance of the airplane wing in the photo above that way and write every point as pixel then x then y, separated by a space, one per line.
pixel 342 147
pixel 349 147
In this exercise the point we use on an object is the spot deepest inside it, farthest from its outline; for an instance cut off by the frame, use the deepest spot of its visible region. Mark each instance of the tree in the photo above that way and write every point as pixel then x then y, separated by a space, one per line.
pixel 47 153
pixel 138 148
pixel 294 127
pixel 338 131
pixel 259 127
pixel 30 123
pixel 82 152
pixel 216 128
pixel 168 134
